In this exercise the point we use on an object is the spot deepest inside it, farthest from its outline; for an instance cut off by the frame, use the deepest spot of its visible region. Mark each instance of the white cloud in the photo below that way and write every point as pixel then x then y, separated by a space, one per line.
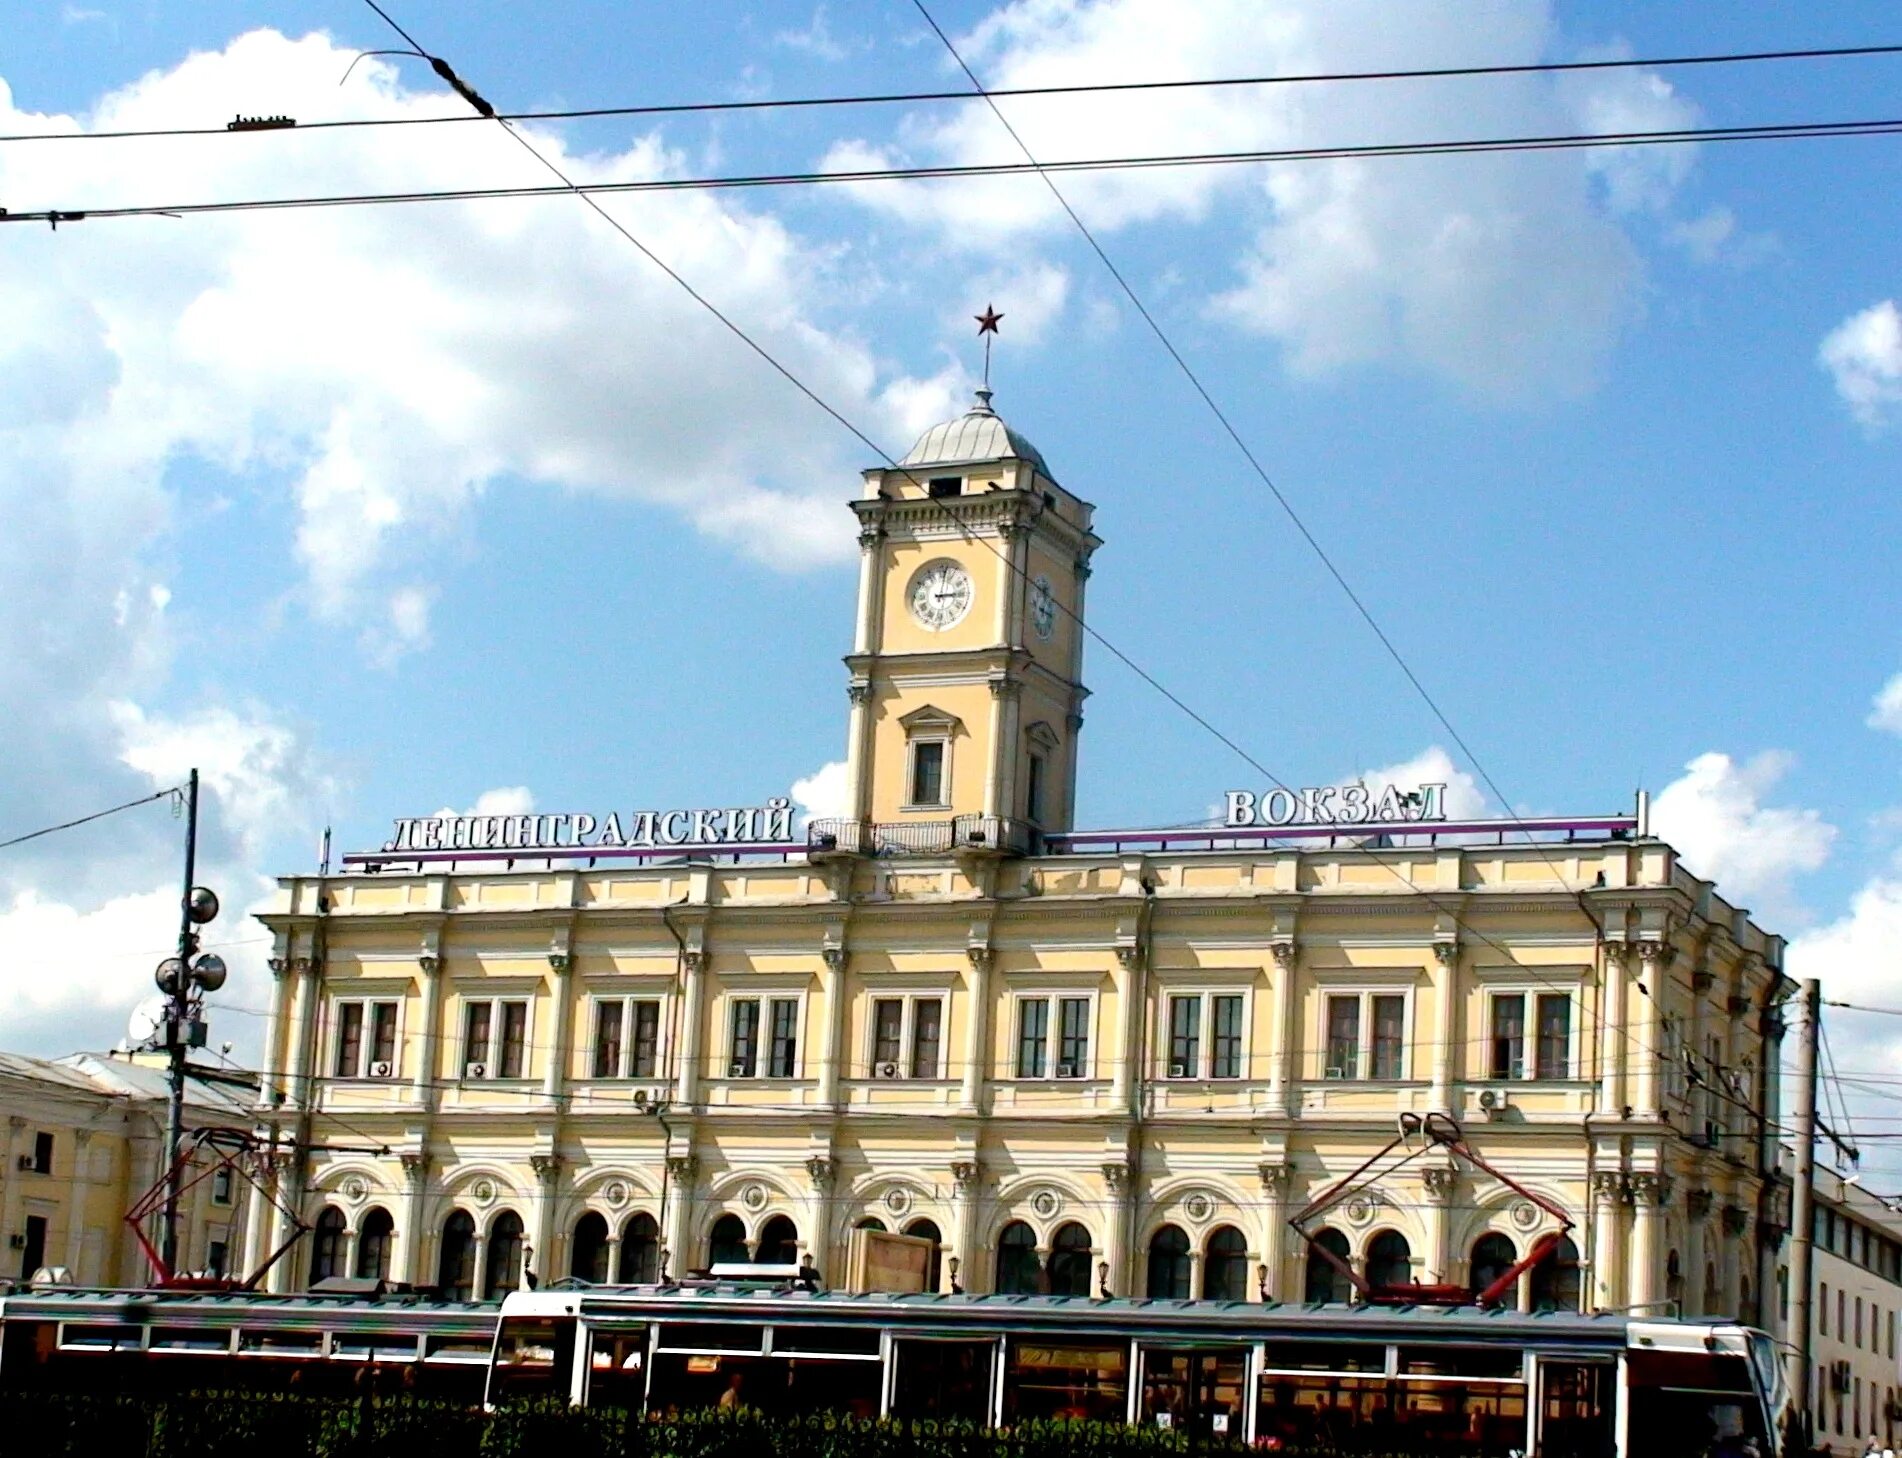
pixel 824 794
pixel 1508 274
pixel 1887 712
pixel 1431 766
pixel 502 800
pixel 1863 355
pixel 1715 817
pixel 815 40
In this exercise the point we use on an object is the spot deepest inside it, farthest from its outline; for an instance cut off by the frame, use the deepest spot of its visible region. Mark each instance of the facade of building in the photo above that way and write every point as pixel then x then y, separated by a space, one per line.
pixel 1856 1269
pixel 1080 1062
pixel 84 1138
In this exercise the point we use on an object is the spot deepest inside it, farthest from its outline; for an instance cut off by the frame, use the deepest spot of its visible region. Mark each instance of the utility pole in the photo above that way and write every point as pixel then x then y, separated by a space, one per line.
pixel 1802 1197
pixel 177 1019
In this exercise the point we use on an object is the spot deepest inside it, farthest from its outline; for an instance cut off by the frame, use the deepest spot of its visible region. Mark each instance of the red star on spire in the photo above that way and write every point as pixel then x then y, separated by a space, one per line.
pixel 987 321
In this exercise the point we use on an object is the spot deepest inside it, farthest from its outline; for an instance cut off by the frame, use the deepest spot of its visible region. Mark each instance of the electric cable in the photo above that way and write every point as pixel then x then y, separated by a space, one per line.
pixel 88 819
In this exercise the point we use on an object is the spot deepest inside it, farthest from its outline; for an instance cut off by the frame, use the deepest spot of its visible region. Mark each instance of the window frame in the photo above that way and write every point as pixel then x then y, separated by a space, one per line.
pixel 1532 996
pixel 1204 1070
pixel 366 1038
pixel 624 1056
pixel 907 1060
pixel 1053 999
pixel 1363 1070
pixel 942 738
pixel 763 1001
pixel 491 1059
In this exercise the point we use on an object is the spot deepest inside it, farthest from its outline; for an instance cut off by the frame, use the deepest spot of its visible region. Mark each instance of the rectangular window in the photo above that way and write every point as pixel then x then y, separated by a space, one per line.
pixel 927 1034
pixel 43 1154
pixel 1033 1036
pixel 215 1257
pixel 1509 1036
pixel 1073 1037
pixel 1225 1060
pixel 927 772
pixel 221 1186
pixel 1554 1056
pixel 1343 1037
pixel 366 1039
pixel 1390 1035
pixel 1033 794
pixel 1185 1037
pixel 514 1039
pixel 1822 1312
pixel 783 1057
pixel 607 1039
pixel 743 1061
pixel 1859 1323
pixel 888 1034
pixel 478 1023
pixel 644 1051
pixel 495 1038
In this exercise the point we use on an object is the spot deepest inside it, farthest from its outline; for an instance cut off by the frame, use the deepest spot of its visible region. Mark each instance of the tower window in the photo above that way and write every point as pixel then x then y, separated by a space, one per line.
pixel 1033 793
pixel 927 772
pixel 945 486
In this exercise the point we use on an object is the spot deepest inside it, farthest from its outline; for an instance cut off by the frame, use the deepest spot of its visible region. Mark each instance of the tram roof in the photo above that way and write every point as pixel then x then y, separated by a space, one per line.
pixel 77 1303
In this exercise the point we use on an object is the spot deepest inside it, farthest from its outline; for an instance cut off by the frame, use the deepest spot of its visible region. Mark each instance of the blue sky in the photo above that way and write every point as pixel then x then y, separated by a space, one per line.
pixel 374 512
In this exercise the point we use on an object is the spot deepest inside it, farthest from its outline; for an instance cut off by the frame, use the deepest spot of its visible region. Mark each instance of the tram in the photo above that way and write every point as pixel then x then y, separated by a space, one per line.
pixel 1389 1378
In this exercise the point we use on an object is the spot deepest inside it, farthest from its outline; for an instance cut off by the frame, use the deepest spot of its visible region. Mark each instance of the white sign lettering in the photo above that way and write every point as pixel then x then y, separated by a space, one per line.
pixel 1335 805
pixel 746 825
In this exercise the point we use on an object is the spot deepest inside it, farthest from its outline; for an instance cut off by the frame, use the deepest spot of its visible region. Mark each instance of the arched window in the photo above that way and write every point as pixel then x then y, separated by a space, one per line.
pixel 726 1242
pixel 870 1222
pixel 778 1243
pixel 502 1271
pixel 640 1251
pixel 455 1272
pixel 1325 1281
pixel 1493 1255
pixel 1555 1285
pixel 1389 1260
pixel 1070 1261
pixel 373 1244
pixel 1225 1266
pixel 928 1230
pixel 1018 1273
pixel 326 1246
pixel 588 1253
pixel 1169 1264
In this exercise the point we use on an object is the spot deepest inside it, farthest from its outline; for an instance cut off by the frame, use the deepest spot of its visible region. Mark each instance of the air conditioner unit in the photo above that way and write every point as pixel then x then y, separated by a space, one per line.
pixel 1066 1070
pixel 26 1163
pixel 1491 1098
pixel 1336 1073
pixel 475 1070
pixel 736 1070
pixel 383 1070
pixel 641 1099
pixel 1178 1070
pixel 888 1070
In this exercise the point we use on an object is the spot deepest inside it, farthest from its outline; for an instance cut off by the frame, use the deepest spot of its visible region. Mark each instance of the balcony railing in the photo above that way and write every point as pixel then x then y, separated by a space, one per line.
pixel 963 834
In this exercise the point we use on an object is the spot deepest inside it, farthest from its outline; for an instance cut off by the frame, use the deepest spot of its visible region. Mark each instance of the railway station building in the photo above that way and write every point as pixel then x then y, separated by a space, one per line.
pixel 622 1044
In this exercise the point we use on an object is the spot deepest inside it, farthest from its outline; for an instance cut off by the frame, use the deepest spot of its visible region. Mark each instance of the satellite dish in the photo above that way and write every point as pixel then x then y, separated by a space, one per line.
pixel 147 1019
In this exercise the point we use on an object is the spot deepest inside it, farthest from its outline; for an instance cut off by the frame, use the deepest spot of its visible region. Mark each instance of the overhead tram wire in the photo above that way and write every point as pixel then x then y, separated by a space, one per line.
pixel 88 819
pixel 444 70
pixel 916 98
pixel 1765 132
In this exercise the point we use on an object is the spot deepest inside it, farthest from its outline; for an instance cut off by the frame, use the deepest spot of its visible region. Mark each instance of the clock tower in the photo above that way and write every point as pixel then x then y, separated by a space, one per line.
pixel 966 662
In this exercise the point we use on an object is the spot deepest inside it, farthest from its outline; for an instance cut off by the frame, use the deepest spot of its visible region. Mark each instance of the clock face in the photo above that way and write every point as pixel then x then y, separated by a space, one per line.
pixel 1043 607
pixel 940 595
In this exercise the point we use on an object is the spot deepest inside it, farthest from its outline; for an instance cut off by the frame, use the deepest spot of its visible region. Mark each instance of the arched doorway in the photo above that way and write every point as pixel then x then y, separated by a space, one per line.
pixel 502 1271
pixel 869 1222
pixel 640 1251
pixel 1325 1282
pixel 1389 1260
pixel 374 1233
pixel 1555 1285
pixel 1070 1261
pixel 778 1243
pixel 726 1242
pixel 455 1270
pixel 588 1250
pixel 1168 1265
pixel 1018 1273
pixel 326 1245
pixel 1225 1266
pixel 1493 1255
pixel 928 1230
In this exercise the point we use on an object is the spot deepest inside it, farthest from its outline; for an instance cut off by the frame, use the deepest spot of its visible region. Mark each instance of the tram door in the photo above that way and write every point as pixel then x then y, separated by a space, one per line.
pixel 1197 1390
pixel 617 1376
pixel 1577 1409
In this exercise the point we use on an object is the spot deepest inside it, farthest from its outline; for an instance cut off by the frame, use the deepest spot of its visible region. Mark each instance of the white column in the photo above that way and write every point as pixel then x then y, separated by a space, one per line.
pixel 832 1029
pixel 858 752
pixel 1697 1210
pixel 1612 1031
pixel 687 1082
pixel 276 1034
pixel 966 1175
pixel 1646 1027
pixel 1650 1193
pixel 412 1237
pixel 426 1056
pixel 555 1076
pixel 1607 1293
pixel 1446 1005
pixel 1437 1184
pixel 1285 1042
pixel 80 1187
pixel 871 588
pixel 681 1172
pixel 1127 1071
pixel 997 753
pixel 977 1032
pixel 10 1221
pixel 300 1054
pixel 614 1257
pixel 820 1170
pixel 1118 1184
pixel 547 1169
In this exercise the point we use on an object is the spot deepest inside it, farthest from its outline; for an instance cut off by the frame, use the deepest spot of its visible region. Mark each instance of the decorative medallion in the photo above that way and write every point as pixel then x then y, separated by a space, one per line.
pixel 1524 1214
pixel 754 1197
pixel 615 1194
pixel 355 1188
pixel 1046 1203
pixel 1360 1209
pixel 1198 1207
pixel 898 1200
pixel 483 1191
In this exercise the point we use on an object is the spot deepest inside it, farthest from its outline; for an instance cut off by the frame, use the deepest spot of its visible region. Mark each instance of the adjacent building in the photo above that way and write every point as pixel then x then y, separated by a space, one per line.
pixel 1856 1387
pixel 1078 1061
pixel 84 1138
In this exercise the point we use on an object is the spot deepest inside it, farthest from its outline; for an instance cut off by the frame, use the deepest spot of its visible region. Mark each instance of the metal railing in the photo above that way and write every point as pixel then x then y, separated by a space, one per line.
pixel 969 834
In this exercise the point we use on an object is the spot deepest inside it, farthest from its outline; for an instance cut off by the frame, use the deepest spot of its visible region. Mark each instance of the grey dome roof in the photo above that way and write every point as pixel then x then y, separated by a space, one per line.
pixel 976 435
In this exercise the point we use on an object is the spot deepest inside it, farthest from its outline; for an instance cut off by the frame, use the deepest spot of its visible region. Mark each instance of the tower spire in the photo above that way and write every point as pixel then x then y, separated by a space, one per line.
pixel 987 326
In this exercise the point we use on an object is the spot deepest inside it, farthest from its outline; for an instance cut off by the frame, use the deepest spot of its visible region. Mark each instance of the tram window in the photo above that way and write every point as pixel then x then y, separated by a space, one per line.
pixel 1504 1362
pixel 189 1339
pixel 374 1346
pixel 1482 1418
pixel 772 1385
pixel 456 1349
pixel 711 1336
pixel 837 1341
pixel 292 1344
pixel 1195 1391
pixel 1312 1356
pixel 534 1357
pixel 1079 1380
pixel 617 1378
pixel 1577 1402
pixel 106 1337
pixel 943 1380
